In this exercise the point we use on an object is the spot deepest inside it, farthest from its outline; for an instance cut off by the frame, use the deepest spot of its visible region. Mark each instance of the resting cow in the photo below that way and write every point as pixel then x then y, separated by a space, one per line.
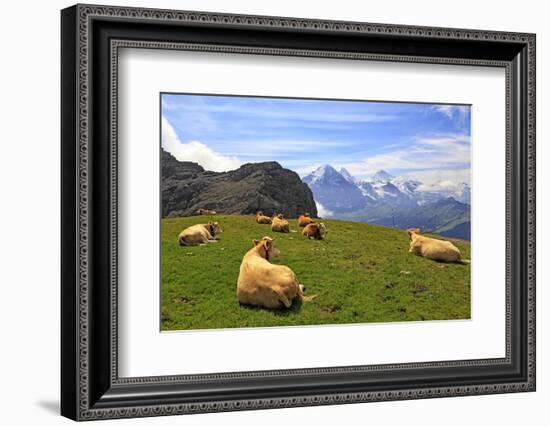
pixel 199 234
pixel 261 283
pixel 431 248
pixel 316 231
pixel 280 224
pixel 262 219
pixel 304 220
pixel 206 212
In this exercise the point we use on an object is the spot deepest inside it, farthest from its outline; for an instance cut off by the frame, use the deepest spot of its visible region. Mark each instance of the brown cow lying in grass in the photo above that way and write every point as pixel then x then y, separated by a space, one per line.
pixel 199 234
pixel 261 283
pixel 280 224
pixel 316 231
pixel 206 212
pixel 262 219
pixel 432 248
pixel 304 220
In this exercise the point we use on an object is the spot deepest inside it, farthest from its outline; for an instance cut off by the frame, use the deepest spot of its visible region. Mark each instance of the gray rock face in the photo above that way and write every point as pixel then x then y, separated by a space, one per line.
pixel 186 187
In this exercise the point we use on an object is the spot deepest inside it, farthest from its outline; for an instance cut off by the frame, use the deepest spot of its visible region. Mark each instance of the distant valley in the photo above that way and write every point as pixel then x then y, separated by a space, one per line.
pixel 442 207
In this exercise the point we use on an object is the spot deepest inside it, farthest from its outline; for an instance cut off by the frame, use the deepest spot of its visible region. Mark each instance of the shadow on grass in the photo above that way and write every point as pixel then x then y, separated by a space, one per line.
pixel 444 262
pixel 282 311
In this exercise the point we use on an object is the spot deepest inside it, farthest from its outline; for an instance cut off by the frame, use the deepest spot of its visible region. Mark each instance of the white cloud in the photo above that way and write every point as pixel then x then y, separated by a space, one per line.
pixel 429 153
pixel 440 179
pixel 253 110
pixel 459 112
pixel 195 151
pixel 445 140
pixel 322 212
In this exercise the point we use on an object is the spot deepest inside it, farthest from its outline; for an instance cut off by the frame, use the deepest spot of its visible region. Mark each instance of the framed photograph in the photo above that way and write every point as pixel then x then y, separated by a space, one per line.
pixel 263 212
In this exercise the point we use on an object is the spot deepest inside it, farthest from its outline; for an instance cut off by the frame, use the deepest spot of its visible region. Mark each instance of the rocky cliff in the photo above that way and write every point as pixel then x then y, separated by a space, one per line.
pixel 186 187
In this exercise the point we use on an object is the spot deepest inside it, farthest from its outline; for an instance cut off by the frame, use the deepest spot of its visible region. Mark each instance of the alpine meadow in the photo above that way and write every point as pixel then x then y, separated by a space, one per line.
pixel 295 212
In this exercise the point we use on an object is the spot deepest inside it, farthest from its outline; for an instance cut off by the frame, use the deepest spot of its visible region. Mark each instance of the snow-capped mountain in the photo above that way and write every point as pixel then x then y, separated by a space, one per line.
pixel 408 187
pixel 383 187
pixel 347 175
pixel 393 200
pixel 334 191
pixel 443 189
pixel 391 194
pixel 381 176
pixel 324 174
pixel 368 190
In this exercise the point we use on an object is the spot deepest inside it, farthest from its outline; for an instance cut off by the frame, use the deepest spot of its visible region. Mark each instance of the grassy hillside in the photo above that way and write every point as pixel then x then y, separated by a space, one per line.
pixel 361 273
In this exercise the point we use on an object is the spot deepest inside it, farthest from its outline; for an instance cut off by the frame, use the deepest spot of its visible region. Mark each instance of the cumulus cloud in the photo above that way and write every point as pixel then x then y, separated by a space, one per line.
pixel 195 151
pixel 323 212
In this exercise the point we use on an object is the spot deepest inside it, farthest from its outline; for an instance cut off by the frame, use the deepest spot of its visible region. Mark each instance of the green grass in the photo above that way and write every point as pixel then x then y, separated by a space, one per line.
pixel 362 273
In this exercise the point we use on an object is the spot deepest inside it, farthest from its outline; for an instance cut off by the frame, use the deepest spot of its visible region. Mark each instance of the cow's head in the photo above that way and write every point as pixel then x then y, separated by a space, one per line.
pixel 322 230
pixel 215 228
pixel 266 248
pixel 412 232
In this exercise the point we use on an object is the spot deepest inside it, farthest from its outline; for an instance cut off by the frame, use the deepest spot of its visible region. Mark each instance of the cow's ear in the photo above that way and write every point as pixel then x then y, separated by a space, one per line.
pixel 268 244
pixel 255 242
pixel 210 222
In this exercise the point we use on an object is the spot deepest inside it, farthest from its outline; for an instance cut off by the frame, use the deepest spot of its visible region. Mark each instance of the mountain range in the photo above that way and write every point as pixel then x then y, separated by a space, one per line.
pixel 332 190
pixel 442 207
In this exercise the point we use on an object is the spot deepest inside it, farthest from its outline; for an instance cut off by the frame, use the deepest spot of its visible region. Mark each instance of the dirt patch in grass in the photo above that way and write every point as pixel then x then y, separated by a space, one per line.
pixel 182 300
pixel 330 309
pixel 417 289
pixel 390 286
pixel 367 264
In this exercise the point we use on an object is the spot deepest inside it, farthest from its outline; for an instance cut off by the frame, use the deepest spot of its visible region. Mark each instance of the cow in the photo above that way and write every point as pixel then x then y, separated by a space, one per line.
pixel 304 220
pixel 262 219
pixel 280 224
pixel 264 284
pixel 206 212
pixel 315 231
pixel 199 234
pixel 431 248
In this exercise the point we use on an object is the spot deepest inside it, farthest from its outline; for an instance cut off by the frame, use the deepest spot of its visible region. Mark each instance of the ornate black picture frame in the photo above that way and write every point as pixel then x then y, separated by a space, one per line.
pixel 91 36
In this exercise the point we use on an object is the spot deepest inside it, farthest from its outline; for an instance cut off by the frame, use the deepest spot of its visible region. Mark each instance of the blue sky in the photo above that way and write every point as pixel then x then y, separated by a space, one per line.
pixel 428 142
